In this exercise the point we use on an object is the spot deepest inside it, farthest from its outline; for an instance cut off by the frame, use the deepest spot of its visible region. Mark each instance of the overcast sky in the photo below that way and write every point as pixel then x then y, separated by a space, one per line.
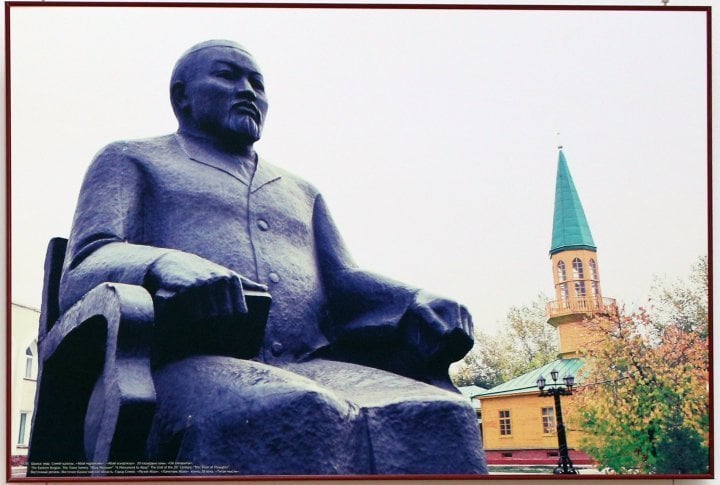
pixel 433 134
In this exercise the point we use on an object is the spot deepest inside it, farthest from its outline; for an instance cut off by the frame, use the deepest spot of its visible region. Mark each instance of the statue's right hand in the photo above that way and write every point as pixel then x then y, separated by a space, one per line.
pixel 197 287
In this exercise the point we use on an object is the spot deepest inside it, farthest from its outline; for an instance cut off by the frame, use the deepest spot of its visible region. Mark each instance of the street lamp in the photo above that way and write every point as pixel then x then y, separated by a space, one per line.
pixel 565 465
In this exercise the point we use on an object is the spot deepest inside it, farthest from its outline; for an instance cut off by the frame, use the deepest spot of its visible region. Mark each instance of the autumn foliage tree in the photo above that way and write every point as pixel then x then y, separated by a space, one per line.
pixel 644 401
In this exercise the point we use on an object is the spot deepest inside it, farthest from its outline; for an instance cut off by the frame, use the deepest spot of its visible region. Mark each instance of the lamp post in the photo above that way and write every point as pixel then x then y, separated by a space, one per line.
pixel 565 465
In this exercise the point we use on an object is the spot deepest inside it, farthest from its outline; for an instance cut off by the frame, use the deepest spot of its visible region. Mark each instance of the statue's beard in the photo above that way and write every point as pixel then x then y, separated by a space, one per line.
pixel 244 127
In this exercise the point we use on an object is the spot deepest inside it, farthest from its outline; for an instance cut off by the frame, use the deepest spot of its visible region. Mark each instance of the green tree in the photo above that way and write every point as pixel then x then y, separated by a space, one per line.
pixel 682 450
pixel 645 396
pixel 525 342
pixel 532 340
pixel 483 365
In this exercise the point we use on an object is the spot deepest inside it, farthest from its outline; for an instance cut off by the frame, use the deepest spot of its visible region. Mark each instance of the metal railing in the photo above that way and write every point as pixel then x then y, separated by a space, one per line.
pixel 587 304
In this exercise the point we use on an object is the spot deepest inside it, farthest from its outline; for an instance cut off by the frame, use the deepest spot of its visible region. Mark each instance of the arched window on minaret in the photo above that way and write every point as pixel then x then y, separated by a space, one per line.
pixel 564 295
pixel 580 294
pixel 580 290
pixel 563 292
pixel 595 284
pixel 578 272
pixel 595 294
pixel 562 274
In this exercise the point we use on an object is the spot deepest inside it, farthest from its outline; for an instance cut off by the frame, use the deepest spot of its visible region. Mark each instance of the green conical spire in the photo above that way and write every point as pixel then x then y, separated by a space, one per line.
pixel 570 227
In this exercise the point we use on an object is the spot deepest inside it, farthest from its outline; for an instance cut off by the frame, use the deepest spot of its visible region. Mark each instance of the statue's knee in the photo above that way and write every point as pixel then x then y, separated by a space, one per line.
pixel 241 411
pixel 291 406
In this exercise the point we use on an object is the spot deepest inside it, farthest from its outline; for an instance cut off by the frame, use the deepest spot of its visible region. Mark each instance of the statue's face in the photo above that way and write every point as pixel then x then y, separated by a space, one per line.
pixel 225 95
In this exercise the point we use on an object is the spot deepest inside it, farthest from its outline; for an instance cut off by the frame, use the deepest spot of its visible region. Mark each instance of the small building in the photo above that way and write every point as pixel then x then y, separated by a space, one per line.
pixel 519 426
pixel 23 379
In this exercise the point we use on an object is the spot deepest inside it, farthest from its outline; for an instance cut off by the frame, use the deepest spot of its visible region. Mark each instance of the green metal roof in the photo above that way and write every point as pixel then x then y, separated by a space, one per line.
pixel 528 381
pixel 471 391
pixel 570 227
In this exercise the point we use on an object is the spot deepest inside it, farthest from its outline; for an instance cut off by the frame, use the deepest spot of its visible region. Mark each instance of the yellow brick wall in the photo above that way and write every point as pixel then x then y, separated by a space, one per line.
pixel 526 421
pixel 574 336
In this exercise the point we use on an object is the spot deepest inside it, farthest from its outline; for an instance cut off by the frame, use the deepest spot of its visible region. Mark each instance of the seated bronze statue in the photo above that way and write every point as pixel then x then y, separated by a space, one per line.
pixel 209 313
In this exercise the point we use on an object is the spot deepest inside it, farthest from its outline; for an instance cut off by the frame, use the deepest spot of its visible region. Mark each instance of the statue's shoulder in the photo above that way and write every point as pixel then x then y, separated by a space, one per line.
pixel 140 149
pixel 272 171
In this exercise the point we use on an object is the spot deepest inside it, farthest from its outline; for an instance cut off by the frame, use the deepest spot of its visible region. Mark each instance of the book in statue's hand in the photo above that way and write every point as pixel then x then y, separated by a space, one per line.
pixel 184 326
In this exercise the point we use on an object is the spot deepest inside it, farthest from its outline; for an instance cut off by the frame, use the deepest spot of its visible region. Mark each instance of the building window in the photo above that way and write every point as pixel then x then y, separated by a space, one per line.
pixel 28 363
pixel 21 431
pixel 593 269
pixel 548 420
pixel 505 428
pixel 562 274
pixel 578 272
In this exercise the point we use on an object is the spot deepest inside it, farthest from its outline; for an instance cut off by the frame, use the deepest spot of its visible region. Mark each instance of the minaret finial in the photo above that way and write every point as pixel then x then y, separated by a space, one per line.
pixel 559 142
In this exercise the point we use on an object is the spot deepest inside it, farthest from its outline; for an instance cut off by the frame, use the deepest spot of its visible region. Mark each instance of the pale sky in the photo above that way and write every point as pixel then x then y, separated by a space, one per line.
pixel 432 134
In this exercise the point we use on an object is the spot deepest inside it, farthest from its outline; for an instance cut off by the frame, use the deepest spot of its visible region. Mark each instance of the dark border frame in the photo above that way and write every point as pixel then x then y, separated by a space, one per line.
pixel 343 6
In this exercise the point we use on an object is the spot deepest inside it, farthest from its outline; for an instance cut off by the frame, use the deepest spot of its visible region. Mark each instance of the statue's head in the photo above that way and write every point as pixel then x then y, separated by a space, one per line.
pixel 217 91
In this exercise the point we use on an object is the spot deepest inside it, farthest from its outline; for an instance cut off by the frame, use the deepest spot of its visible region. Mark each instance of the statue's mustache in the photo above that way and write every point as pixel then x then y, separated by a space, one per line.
pixel 249 108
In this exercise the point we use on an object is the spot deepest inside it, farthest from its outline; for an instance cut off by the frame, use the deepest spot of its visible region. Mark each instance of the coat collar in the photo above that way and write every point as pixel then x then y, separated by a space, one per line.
pixel 265 173
pixel 199 151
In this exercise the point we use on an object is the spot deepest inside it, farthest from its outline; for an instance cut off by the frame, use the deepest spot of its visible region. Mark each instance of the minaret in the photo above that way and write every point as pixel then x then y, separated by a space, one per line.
pixel 575 266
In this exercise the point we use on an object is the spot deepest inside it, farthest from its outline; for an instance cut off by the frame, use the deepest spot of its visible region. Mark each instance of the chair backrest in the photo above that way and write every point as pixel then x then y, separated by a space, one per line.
pixel 50 309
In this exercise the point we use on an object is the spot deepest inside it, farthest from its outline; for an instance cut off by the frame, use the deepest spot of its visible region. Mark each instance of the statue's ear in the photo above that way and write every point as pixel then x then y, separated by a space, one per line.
pixel 178 96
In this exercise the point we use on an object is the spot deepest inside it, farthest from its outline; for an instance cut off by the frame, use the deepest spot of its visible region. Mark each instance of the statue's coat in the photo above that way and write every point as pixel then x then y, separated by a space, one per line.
pixel 288 410
pixel 141 199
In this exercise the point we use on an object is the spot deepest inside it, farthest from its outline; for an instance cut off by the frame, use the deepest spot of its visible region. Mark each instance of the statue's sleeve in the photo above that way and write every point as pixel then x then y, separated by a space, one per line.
pixel 363 305
pixel 108 219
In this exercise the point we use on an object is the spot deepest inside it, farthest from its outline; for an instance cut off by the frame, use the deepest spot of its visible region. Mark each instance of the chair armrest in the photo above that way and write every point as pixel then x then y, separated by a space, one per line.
pixel 100 347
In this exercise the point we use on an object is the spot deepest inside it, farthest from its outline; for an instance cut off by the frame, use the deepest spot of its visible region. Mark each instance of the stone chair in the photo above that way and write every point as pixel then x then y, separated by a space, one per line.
pixel 96 399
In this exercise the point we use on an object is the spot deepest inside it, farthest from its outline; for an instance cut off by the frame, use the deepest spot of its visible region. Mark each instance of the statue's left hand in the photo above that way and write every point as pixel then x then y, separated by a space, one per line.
pixel 186 284
pixel 440 330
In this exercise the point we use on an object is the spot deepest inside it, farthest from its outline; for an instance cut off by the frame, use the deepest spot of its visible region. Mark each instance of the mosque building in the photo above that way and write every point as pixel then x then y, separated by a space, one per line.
pixel 519 425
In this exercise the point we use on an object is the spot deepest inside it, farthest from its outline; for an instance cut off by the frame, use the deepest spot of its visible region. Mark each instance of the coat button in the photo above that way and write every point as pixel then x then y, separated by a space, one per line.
pixel 277 348
pixel 274 277
pixel 263 225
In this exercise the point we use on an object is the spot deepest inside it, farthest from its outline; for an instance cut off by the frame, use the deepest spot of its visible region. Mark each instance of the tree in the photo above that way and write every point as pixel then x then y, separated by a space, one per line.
pixel 684 303
pixel 534 342
pixel 485 364
pixel 645 395
pixel 525 342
